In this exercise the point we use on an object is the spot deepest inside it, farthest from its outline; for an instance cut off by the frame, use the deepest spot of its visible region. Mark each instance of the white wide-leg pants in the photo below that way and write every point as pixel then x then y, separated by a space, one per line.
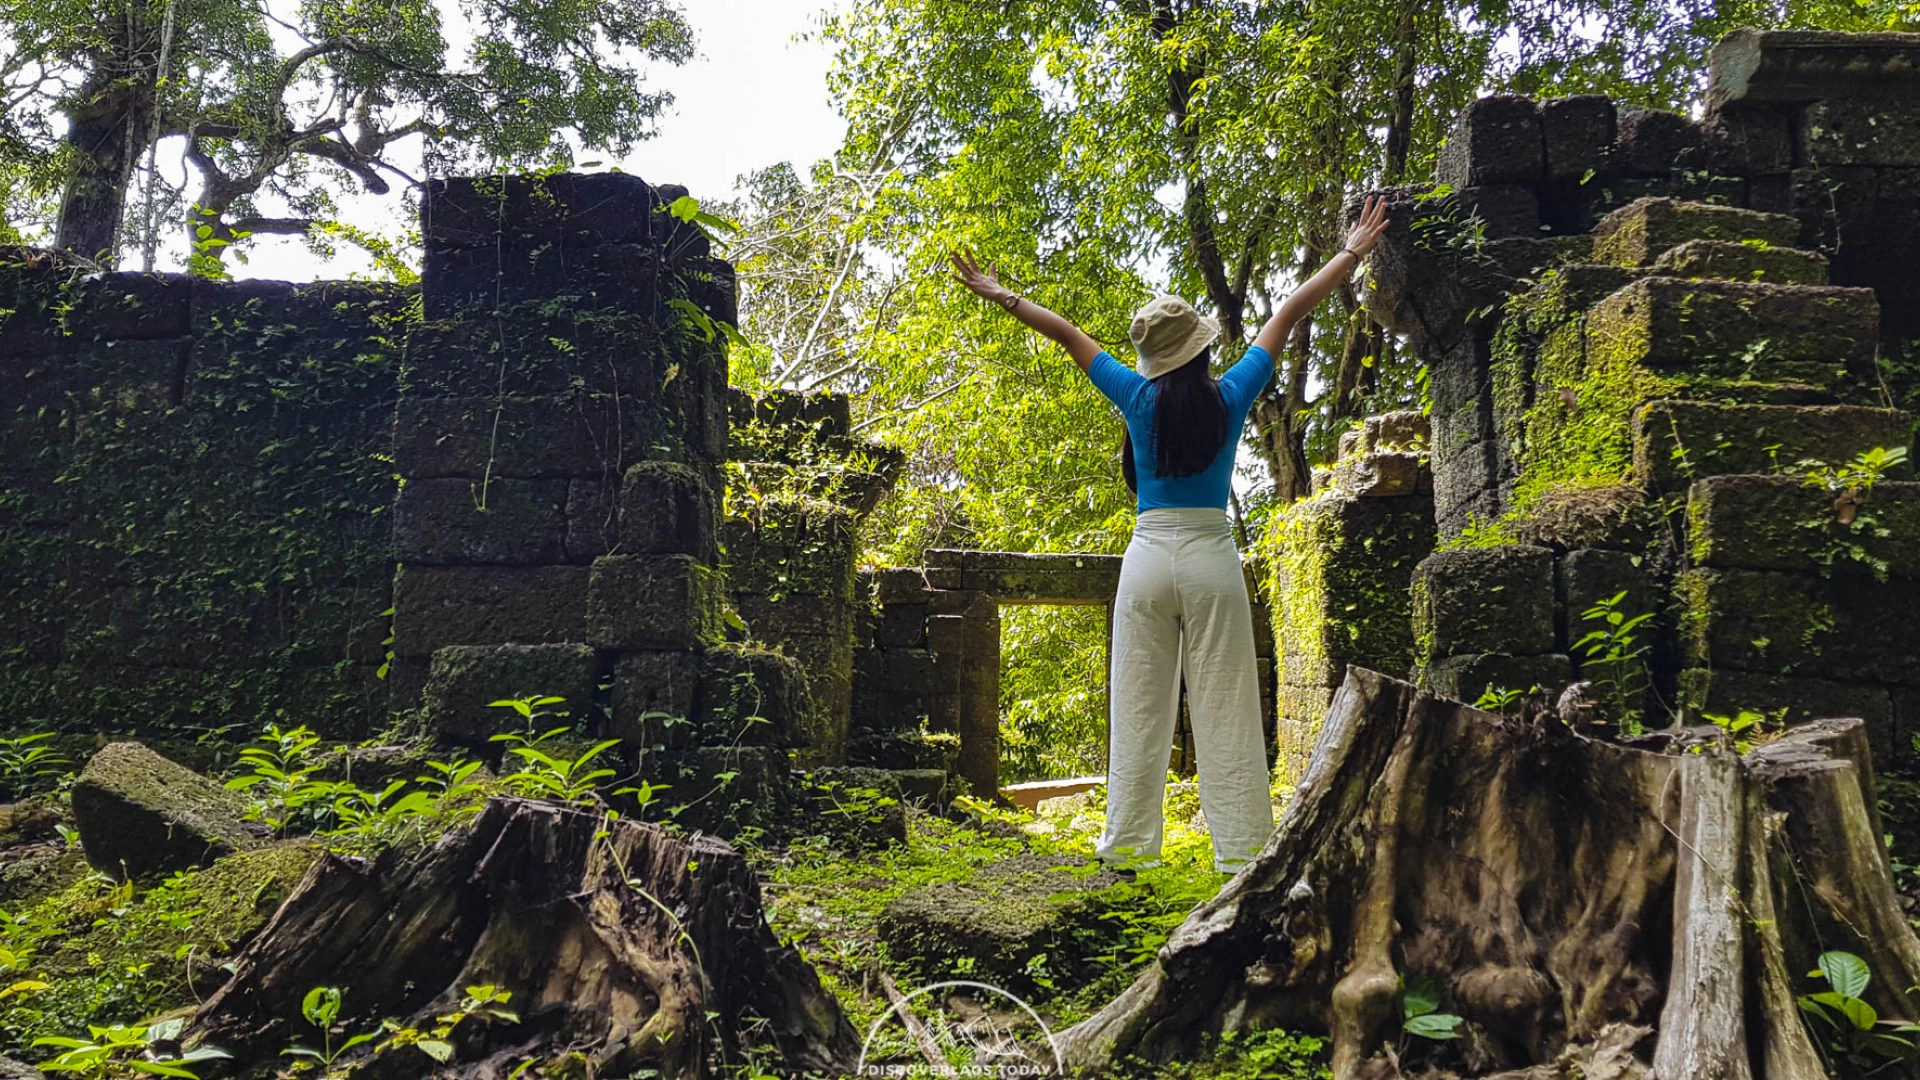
pixel 1182 607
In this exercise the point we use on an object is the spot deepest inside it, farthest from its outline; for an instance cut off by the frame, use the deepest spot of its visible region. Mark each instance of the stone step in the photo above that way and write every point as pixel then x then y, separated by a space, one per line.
pixel 1730 260
pixel 1820 335
pixel 1640 232
pixel 1676 442
pixel 1780 523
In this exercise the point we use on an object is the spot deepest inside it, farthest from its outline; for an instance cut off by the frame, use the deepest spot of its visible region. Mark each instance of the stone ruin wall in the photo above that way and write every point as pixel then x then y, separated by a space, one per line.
pixel 1634 325
pixel 1629 319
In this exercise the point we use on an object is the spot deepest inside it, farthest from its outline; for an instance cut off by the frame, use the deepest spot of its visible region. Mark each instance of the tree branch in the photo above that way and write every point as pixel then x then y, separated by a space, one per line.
pixel 277 226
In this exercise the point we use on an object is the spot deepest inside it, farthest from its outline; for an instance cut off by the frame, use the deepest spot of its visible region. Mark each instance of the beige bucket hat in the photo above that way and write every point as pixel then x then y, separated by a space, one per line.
pixel 1167 333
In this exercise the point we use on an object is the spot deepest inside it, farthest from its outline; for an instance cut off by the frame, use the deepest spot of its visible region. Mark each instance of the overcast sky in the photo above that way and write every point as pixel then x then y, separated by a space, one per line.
pixel 752 96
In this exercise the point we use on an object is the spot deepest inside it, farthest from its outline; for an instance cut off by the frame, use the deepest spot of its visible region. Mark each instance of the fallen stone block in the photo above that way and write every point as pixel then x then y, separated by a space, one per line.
pixel 1003 917
pixel 140 814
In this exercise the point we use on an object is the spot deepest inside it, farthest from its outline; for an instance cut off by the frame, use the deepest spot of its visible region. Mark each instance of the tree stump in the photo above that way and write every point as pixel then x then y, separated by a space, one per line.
pixel 623 948
pixel 1588 908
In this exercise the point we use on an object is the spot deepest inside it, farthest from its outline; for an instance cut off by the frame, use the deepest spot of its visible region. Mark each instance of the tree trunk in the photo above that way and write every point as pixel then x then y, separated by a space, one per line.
pixel 1589 908
pixel 107 134
pixel 624 949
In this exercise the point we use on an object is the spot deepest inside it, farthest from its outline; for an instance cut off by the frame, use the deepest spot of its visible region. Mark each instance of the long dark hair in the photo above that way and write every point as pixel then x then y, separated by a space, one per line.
pixel 1189 423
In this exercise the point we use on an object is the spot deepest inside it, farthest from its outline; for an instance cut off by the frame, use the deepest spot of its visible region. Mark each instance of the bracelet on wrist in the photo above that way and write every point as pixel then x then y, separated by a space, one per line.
pixel 1012 301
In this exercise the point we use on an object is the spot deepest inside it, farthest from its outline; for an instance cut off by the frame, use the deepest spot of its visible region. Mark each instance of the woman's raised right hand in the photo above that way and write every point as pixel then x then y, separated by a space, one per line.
pixel 980 281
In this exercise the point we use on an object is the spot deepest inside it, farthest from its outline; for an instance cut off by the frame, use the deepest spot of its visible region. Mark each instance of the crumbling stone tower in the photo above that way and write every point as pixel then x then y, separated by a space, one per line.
pixel 560 431
pixel 1639 329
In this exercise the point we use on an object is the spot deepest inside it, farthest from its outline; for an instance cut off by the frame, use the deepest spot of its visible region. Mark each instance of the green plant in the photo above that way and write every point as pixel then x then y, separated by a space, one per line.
pixel 1614 654
pixel 1743 726
pixel 122 1050
pixel 1850 484
pixel 281 786
pixel 1499 698
pixel 26 764
pixel 1852 1037
pixel 549 776
pixel 487 1002
pixel 1860 474
pixel 1420 1013
pixel 321 1007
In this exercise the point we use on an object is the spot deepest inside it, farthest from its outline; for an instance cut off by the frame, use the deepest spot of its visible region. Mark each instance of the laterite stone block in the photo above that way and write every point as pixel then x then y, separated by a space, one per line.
pixel 668 509
pixel 1843 132
pixel 437 606
pixel 654 698
pixel 1640 232
pixel 1655 142
pixel 1579 134
pixel 1779 523
pixel 1737 328
pixel 1842 628
pixel 1478 600
pixel 1465 678
pixel 1706 692
pixel 576 435
pixel 473 522
pixel 465 679
pixel 1495 140
pixel 653 602
pixel 1729 261
pixel 1676 442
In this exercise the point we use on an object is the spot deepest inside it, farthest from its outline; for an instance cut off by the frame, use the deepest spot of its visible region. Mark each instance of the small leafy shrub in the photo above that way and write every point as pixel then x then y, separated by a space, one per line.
pixel 321 1008
pixel 28 766
pixel 280 782
pixel 1849 1033
pixel 1746 727
pixel 126 1050
pixel 546 775
pixel 1615 654
pixel 1420 1015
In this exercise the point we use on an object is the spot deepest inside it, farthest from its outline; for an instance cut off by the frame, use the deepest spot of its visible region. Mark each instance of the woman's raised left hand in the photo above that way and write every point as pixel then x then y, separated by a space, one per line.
pixel 1366 232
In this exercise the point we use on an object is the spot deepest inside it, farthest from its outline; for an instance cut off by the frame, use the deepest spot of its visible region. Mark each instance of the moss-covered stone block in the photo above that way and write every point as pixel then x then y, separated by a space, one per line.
pixel 1495 140
pixel 861 807
pixel 1501 211
pixel 1749 141
pixel 1678 441
pixel 1484 600
pixel 1382 474
pixel 1780 523
pixel 1738 329
pixel 1796 699
pixel 653 602
pixel 1845 132
pixel 726 790
pixel 668 508
pixel 465 680
pixel 140 814
pixel 1726 260
pixel 437 606
pixel 1640 232
pixel 1341 582
pixel 1589 577
pixel 1843 628
pixel 1654 142
pixel 572 435
pixel 1005 915
pixel 751 696
pixel 468 522
pixel 654 698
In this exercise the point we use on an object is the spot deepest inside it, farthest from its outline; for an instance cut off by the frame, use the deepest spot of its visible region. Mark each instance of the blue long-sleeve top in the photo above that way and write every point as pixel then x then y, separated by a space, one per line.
pixel 1135 395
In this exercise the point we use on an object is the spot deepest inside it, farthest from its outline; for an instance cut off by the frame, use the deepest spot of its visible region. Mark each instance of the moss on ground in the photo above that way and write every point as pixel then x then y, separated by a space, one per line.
pixel 115 953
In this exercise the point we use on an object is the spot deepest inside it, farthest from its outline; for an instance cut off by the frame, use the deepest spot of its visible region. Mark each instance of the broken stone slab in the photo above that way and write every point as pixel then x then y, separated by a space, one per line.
pixel 1001 918
pixel 1729 261
pixel 1484 600
pixel 1641 231
pixel 140 814
pixel 1812 65
pixel 1677 442
pixel 1780 523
